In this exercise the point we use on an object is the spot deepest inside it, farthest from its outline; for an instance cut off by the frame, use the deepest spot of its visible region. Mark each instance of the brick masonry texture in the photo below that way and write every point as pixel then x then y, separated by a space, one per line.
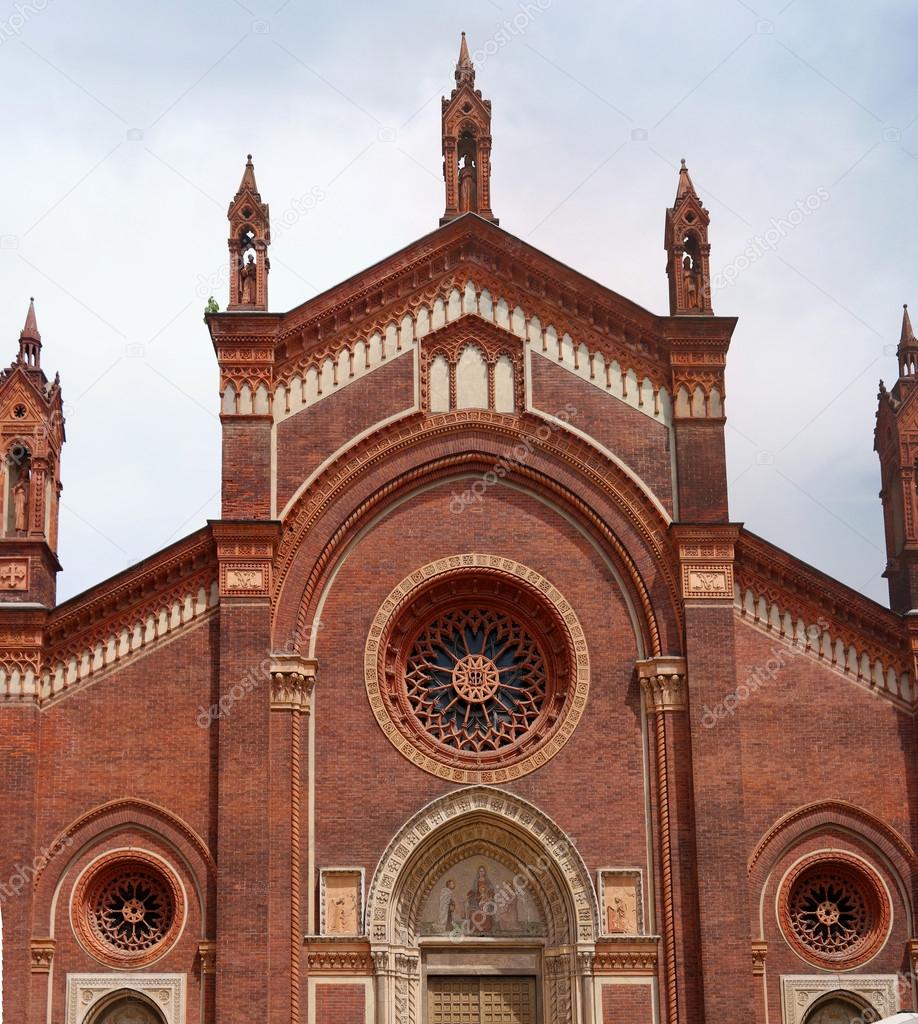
pixel 238 744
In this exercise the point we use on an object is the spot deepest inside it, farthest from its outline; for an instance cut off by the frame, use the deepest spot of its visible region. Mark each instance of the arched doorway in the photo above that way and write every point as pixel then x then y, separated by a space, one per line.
pixel 841 1008
pixel 481 909
pixel 126 1007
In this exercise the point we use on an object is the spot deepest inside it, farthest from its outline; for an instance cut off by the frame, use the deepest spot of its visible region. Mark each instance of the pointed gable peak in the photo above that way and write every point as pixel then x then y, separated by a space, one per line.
pixel 248 178
pixel 30 331
pixel 907 339
pixel 465 69
pixel 686 187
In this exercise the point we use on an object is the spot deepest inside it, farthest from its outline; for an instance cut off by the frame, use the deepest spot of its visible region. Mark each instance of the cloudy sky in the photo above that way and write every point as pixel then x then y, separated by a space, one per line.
pixel 126 132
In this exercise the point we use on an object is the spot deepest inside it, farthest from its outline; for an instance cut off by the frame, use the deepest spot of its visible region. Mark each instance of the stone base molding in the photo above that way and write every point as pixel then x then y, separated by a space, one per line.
pixel 166 991
pixel 800 991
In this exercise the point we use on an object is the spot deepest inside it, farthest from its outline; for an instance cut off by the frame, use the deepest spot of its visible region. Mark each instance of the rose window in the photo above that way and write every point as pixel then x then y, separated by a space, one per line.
pixel 128 909
pixel 834 911
pixel 475 679
pixel 477 669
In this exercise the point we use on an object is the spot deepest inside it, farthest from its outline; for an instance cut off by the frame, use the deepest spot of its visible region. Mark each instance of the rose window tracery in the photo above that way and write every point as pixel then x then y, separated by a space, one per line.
pixel 834 911
pixel 476 679
pixel 477 669
pixel 127 909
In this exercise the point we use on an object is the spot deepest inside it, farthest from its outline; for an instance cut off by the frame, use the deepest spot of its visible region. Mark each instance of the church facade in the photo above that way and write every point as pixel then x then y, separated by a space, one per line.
pixel 474 705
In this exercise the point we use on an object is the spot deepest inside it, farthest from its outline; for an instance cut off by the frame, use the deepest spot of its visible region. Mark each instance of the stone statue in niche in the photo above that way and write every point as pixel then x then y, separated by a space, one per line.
pixel 342 903
pixel 691 285
pixel 466 188
pixel 247 274
pixel 20 506
pixel 620 897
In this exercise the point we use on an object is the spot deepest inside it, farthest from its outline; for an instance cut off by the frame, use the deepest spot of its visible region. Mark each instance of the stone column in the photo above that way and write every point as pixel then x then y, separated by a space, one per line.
pixel 292 682
pixel 665 690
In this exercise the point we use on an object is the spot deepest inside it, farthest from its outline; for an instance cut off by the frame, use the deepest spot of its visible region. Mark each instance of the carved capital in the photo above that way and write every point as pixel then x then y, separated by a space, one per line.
pixel 292 682
pixel 663 683
pixel 42 952
pixel 585 961
pixel 207 956
pixel 759 951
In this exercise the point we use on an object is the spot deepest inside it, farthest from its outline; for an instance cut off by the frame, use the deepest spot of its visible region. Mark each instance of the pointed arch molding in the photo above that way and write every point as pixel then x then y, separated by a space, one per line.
pixel 417 449
pixel 488 816
pixel 106 819
pixel 827 817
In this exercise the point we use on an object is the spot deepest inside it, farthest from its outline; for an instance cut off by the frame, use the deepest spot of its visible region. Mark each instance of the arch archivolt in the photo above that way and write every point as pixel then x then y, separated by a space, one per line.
pixel 482 822
pixel 427 844
pixel 567 470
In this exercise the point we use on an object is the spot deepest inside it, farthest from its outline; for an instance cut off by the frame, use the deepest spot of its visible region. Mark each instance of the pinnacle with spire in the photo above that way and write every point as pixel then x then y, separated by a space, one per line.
pixel 907 351
pixel 248 178
pixel 686 186
pixel 465 69
pixel 30 340
pixel 30 331
pixel 907 339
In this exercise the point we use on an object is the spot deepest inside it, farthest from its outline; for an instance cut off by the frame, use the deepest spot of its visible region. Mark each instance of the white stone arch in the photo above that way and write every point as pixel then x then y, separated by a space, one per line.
pixel 473 821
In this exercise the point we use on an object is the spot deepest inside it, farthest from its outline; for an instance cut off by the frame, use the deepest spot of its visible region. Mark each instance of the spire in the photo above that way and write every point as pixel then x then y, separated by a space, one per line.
pixel 686 186
pixel 30 339
pixel 465 69
pixel 907 338
pixel 30 331
pixel 908 347
pixel 248 177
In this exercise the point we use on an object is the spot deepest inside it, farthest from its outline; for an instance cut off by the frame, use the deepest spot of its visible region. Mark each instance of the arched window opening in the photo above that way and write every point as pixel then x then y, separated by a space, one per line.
pixel 841 1008
pixel 127 1008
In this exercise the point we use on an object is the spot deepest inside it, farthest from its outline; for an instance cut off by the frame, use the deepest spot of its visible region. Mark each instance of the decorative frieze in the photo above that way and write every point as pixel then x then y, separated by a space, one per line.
pixel 706 560
pixel 663 683
pixel 630 957
pixel 333 955
pixel 245 552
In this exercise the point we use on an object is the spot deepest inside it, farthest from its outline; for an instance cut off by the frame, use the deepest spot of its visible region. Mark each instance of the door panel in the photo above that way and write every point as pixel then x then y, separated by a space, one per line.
pixel 487 999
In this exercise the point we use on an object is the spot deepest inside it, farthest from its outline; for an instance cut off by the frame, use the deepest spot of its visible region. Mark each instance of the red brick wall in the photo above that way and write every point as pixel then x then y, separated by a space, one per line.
pixel 640 442
pixel 360 768
pixel 626 1004
pixel 340 1004
pixel 246 467
pixel 807 734
pixel 307 438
